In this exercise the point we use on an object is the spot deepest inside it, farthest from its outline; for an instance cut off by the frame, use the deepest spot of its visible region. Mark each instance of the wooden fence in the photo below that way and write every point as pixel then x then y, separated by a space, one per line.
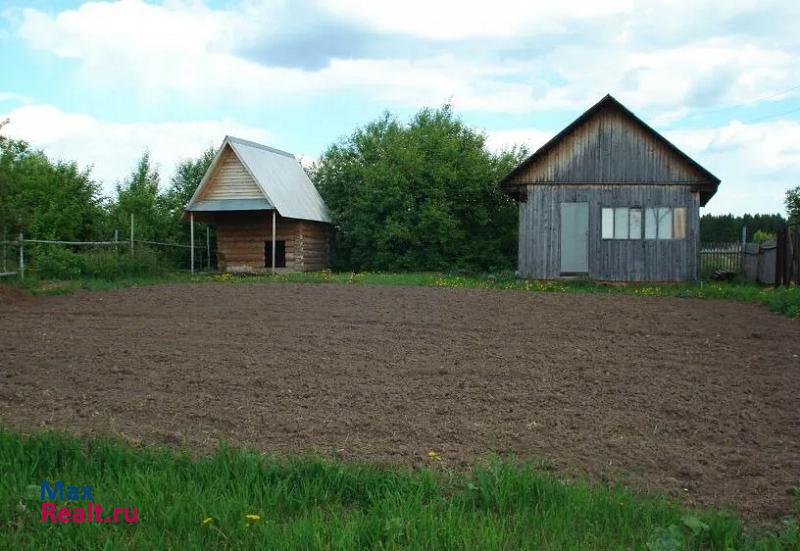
pixel 715 257
pixel 787 258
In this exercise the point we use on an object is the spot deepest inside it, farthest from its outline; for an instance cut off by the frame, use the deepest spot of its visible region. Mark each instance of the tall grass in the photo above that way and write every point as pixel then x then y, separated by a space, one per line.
pixel 311 503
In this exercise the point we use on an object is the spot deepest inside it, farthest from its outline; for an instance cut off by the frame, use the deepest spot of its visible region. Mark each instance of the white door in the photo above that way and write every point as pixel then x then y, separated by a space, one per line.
pixel 574 238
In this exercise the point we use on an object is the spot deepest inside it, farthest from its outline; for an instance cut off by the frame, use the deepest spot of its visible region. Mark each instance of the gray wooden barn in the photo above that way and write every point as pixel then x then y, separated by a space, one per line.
pixel 611 199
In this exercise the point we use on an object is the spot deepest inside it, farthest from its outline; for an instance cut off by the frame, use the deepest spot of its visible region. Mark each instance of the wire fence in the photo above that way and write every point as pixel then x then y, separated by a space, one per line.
pixel 16 253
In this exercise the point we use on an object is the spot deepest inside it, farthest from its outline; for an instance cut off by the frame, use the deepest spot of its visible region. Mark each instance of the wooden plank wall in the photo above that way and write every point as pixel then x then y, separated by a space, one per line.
pixel 609 260
pixel 231 180
pixel 610 149
pixel 241 237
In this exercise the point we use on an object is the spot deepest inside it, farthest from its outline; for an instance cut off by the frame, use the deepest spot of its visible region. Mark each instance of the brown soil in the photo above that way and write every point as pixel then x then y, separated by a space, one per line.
pixel 11 295
pixel 699 399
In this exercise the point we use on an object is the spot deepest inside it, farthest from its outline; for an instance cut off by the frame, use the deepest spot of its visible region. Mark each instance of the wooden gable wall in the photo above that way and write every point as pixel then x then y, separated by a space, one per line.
pixel 230 180
pixel 610 148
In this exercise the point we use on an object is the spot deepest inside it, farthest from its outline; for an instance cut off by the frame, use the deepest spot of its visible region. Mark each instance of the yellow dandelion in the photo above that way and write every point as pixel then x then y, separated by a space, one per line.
pixel 253 517
pixel 207 520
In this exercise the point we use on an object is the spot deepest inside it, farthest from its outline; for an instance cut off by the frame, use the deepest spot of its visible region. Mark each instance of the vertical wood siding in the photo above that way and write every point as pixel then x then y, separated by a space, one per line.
pixel 611 149
pixel 609 259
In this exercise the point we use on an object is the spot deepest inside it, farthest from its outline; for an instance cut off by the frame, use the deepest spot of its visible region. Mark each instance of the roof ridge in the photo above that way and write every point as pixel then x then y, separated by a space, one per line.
pixel 259 146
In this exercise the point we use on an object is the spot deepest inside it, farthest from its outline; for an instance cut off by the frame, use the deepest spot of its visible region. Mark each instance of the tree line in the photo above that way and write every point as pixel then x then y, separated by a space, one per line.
pixel 416 195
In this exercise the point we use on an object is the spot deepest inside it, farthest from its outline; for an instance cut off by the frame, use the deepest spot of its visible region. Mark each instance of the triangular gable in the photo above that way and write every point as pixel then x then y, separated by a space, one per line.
pixel 610 145
pixel 245 175
pixel 230 179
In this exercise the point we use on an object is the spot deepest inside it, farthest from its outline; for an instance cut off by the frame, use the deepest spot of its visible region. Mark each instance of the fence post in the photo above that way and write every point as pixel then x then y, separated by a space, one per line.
pixel 21 256
pixel 5 238
pixel 191 236
pixel 744 243
pixel 208 248
pixel 780 255
pixel 131 233
pixel 116 240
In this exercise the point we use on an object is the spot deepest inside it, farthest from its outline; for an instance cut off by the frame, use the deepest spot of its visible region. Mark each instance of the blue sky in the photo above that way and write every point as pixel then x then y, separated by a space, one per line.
pixel 98 82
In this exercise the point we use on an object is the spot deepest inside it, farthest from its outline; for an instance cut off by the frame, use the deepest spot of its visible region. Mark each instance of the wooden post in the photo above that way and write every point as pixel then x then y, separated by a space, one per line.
pixel 273 241
pixel 191 236
pixel 21 256
pixel 780 253
pixel 131 233
pixel 744 243
pixel 208 248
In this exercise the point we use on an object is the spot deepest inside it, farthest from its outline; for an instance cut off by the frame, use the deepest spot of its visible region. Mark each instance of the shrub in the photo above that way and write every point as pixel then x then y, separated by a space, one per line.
pixel 107 264
pixel 60 263
pixel 57 263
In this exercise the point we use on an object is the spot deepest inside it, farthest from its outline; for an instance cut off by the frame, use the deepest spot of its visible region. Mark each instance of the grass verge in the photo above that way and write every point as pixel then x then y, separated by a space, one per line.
pixel 783 300
pixel 241 499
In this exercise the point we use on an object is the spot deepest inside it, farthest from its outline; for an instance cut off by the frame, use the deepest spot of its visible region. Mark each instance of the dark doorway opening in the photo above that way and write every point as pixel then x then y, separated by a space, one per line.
pixel 280 254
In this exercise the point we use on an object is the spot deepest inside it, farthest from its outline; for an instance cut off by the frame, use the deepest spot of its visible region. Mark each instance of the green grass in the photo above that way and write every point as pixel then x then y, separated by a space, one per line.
pixel 312 503
pixel 783 300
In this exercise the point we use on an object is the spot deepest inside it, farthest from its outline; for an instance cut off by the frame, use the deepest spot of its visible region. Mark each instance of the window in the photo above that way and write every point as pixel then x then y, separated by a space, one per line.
pixel 650 226
pixel 665 223
pixel 679 223
pixel 657 222
pixel 635 217
pixel 280 254
pixel 608 223
pixel 622 223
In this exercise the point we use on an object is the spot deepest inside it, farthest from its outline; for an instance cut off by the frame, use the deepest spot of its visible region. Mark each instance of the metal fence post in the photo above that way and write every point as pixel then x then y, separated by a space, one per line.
pixel 191 236
pixel 131 233
pixel 21 256
pixel 208 249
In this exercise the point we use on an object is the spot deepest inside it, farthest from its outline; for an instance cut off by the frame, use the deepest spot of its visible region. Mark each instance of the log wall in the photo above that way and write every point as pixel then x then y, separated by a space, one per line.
pixel 241 237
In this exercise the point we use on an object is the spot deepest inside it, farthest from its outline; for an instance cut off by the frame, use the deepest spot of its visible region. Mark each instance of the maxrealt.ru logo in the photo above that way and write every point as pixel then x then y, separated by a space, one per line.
pixel 92 512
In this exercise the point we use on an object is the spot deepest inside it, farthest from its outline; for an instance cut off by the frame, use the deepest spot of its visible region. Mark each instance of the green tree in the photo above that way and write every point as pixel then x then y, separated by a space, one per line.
pixel 187 177
pixel 793 204
pixel 46 199
pixel 727 227
pixel 418 196
pixel 139 195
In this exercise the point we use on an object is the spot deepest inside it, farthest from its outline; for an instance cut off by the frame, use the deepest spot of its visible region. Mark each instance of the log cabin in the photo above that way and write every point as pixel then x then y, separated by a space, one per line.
pixel 609 198
pixel 267 214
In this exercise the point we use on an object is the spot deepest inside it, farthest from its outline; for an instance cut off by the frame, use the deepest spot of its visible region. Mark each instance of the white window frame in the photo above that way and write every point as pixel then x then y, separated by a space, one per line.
pixel 610 218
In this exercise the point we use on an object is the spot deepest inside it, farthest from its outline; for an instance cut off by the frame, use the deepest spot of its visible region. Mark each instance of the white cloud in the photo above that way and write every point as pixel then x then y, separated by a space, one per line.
pixel 668 60
pixel 14 97
pixel 757 163
pixel 113 148
pixel 531 138
pixel 452 19
pixel 187 50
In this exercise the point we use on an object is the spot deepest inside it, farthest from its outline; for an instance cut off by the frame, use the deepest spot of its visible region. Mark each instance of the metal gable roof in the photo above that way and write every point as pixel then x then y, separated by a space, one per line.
pixel 283 181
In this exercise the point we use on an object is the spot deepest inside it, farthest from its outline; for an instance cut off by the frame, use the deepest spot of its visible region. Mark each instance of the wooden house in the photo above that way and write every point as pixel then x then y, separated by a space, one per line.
pixel 267 214
pixel 609 198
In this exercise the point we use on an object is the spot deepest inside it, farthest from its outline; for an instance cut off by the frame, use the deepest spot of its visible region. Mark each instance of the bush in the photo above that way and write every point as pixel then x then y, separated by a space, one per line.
pixel 113 265
pixel 60 263
pixel 57 263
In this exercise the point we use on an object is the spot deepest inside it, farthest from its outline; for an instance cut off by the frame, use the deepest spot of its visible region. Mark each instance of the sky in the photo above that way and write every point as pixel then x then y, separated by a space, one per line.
pixel 98 82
